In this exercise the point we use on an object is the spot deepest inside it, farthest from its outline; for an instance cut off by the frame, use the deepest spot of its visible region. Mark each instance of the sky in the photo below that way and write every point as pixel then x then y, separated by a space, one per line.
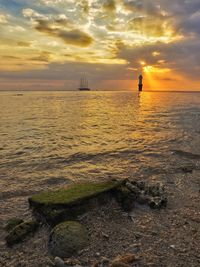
pixel 51 44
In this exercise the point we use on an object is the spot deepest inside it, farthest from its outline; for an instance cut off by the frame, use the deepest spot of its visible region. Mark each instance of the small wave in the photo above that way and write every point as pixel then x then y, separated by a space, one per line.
pixel 77 157
pixel 55 181
pixel 186 154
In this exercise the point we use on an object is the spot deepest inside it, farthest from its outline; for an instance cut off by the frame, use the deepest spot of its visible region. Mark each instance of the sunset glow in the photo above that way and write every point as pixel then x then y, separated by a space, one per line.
pixel 109 40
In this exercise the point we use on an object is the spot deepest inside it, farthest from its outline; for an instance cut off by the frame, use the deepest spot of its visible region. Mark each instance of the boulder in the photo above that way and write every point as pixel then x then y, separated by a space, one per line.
pixel 67 239
pixel 67 203
pixel 20 232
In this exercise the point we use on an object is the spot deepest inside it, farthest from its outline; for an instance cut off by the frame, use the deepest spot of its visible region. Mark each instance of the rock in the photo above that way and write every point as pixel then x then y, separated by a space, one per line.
pixel 58 262
pixel 127 258
pixel 50 263
pixel 67 239
pixel 155 190
pixel 72 262
pixel 20 232
pixel 134 189
pixel 12 223
pixel 83 251
pixel 125 198
pixel 158 202
pixel 67 204
pixel 105 235
pixel 140 184
pixel 104 262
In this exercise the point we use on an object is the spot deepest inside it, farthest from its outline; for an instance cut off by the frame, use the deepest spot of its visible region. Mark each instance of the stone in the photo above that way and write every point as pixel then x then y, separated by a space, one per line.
pixel 49 263
pixel 72 262
pixel 20 232
pixel 140 184
pixel 67 239
pixel 134 189
pixel 158 202
pixel 127 258
pixel 12 223
pixel 58 262
pixel 72 201
pixel 125 198
pixel 104 262
pixel 155 190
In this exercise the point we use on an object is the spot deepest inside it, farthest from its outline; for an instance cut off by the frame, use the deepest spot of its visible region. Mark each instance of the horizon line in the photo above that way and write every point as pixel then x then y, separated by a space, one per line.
pixel 103 90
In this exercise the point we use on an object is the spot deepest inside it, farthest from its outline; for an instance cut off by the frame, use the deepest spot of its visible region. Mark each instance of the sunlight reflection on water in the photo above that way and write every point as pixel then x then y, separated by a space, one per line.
pixel 48 137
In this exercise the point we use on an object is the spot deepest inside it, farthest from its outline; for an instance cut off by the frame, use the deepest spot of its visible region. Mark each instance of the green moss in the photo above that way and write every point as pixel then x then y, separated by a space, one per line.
pixel 72 194
pixel 67 238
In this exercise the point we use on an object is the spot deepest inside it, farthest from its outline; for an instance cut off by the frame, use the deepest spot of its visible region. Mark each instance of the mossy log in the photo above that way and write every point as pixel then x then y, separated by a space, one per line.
pixel 68 203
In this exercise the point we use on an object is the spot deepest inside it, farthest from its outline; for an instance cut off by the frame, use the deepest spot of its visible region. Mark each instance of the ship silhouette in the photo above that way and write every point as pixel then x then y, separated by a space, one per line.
pixel 84 84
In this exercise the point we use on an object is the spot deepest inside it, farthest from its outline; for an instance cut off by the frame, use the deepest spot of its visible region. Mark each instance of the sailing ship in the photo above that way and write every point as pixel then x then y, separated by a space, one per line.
pixel 84 84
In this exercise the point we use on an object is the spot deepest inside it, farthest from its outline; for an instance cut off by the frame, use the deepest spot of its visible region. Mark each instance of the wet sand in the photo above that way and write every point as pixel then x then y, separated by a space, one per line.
pixel 160 238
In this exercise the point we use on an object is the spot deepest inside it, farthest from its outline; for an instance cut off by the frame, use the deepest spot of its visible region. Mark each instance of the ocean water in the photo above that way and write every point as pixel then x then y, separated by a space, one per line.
pixel 49 138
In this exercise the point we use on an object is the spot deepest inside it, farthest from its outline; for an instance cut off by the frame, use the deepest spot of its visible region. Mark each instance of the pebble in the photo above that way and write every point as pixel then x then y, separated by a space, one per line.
pixel 59 262
pixel 83 251
pixel 98 254
pixel 105 235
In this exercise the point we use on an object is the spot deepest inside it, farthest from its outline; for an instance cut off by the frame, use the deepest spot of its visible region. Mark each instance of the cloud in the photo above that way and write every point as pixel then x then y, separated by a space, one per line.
pixel 73 37
pixel 3 18
pixel 109 5
pixel 44 56
pixel 23 44
pixel 58 26
pixel 148 26
pixel 108 38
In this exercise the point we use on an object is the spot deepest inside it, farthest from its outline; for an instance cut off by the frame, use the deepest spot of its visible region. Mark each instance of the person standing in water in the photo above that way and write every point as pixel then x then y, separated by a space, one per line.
pixel 140 84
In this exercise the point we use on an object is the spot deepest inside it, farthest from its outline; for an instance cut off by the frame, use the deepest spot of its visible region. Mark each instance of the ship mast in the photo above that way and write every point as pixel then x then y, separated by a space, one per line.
pixel 84 83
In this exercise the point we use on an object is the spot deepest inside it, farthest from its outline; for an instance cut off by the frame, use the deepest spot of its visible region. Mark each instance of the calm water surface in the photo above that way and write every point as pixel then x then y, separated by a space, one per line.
pixel 47 138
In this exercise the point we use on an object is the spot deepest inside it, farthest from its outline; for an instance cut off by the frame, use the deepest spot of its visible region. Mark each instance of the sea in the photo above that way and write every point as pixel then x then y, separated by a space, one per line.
pixel 48 139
